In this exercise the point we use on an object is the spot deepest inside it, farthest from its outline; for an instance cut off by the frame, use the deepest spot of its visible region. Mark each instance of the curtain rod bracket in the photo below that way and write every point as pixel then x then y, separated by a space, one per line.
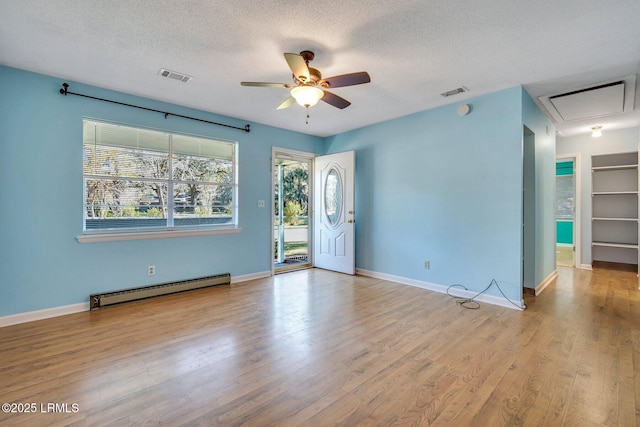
pixel 65 91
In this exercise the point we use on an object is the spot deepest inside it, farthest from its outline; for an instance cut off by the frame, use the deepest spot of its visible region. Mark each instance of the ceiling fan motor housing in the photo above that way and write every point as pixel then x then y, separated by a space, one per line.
pixel 314 77
pixel 314 74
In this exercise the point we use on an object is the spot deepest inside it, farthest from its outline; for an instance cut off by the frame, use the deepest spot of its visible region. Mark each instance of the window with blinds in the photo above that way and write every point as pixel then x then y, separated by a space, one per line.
pixel 145 180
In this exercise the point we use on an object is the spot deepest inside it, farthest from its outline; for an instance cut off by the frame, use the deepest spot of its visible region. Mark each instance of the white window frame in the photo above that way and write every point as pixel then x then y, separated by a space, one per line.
pixel 170 230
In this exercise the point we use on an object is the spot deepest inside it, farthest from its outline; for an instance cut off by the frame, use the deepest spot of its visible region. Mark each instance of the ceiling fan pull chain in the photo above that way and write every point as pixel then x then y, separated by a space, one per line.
pixel 307 113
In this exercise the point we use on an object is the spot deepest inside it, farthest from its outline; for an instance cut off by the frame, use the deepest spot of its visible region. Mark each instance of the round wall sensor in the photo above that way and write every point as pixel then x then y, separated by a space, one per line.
pixel 463 110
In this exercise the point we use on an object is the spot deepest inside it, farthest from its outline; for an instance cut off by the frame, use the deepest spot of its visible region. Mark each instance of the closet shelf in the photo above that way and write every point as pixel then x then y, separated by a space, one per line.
pixel 615 219
pixel 610 193
pixel 614 208
pixel 613 168
pixel 615 245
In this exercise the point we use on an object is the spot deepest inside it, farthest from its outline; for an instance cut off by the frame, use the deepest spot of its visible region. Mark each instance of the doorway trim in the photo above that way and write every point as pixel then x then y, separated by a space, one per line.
pixel 577 235
pixel 303 156
pixel 528 273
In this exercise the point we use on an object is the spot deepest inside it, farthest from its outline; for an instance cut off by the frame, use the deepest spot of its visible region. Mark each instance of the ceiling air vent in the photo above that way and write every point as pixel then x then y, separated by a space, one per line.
pixel 175 75
pixel 454 91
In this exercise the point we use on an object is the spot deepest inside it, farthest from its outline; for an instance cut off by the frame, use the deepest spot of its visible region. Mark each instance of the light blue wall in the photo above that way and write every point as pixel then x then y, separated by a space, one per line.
pixel 611 141
pixel 41 263
pixel 432 185
pixel 445 188
pixel 545 164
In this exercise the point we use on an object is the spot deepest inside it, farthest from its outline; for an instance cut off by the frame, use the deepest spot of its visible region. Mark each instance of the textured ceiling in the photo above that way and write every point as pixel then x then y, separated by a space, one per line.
pixel 413 49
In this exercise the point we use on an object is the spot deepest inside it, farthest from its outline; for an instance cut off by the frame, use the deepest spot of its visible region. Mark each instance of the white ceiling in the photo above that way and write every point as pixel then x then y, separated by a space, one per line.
pixel 413 49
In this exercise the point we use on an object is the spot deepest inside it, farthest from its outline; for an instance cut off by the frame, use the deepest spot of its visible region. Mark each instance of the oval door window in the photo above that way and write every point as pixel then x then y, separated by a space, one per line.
pixel 333 196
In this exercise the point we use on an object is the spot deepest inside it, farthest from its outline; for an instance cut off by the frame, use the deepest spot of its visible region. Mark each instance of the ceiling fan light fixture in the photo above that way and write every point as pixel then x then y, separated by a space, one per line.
pixel 596 131
pixel 307 96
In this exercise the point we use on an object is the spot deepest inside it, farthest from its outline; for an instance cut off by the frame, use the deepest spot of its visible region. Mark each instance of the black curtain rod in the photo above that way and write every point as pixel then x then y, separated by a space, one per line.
pixel 65 91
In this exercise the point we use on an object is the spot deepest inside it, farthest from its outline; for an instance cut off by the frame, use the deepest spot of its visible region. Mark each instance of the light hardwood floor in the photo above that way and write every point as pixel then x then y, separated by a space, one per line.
pixel 315 348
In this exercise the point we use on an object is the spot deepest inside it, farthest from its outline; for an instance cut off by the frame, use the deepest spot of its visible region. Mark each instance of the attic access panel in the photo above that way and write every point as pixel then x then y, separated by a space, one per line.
pixel 589 103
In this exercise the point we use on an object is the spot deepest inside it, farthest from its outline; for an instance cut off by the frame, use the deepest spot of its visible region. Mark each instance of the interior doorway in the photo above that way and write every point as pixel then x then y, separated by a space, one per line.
pixel 292 175
pixel 566 208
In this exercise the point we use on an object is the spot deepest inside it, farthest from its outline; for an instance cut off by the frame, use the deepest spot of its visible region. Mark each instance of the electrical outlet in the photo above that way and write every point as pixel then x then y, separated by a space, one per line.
pixel 427 264
pixel 261 203
pixel 151 270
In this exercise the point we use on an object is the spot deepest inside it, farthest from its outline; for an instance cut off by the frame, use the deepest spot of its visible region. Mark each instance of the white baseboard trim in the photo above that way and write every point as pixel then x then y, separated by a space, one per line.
pixel 439 288
pixel 30 316
pixel 252 276
pixel 546 282
pixel 585 267
pixel 46 313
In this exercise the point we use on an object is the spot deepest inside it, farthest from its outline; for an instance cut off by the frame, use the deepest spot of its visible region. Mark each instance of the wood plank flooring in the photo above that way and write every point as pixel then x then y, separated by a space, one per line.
pixel 315 348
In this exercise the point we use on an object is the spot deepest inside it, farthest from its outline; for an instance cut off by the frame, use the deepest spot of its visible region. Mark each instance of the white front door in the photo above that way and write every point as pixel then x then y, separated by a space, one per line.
pixel 334 215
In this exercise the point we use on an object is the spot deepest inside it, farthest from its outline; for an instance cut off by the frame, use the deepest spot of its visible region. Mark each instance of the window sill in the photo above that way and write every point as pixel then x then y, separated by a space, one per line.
pixel 113 237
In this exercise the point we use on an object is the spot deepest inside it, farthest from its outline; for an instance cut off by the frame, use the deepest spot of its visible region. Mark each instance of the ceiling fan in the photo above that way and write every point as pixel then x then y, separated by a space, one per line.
pixel 308 85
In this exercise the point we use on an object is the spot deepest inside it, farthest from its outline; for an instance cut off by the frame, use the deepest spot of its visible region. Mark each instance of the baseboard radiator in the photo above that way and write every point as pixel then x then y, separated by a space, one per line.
pixel 126 295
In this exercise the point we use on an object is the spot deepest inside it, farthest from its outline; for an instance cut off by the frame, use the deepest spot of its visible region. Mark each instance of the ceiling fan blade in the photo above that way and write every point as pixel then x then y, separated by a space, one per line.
pixel 346 80
pixel 335 100
pixel 287 103
pixel 298 66
pixel 264 84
